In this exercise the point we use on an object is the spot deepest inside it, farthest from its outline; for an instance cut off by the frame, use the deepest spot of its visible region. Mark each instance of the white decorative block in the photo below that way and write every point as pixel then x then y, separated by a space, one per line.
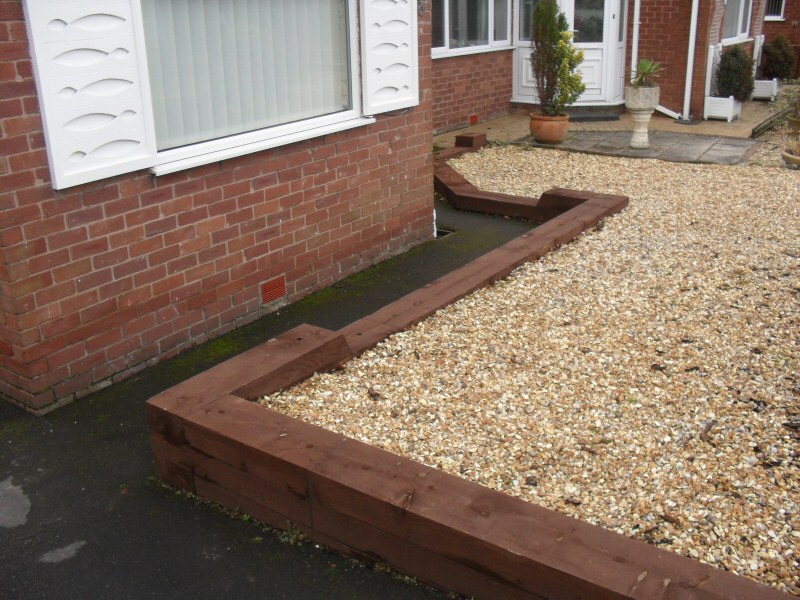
pixel 766 89
pixel 722 108
pixel 94 93
pixel 389 70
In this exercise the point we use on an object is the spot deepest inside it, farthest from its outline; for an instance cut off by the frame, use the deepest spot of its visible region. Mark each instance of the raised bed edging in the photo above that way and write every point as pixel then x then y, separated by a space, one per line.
pixel 210 439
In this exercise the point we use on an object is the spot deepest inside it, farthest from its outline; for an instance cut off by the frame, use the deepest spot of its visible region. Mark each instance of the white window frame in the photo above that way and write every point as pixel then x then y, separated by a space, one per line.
pixel 741 36
pixel 492 46
pixel 92 81
pixel 780 17
pixel 186 157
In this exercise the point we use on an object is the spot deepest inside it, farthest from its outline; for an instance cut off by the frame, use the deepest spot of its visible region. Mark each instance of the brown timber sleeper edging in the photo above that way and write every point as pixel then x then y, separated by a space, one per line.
pixel 210 439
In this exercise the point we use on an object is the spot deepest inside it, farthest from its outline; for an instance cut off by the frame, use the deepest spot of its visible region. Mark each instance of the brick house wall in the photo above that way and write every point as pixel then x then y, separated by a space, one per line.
pixel 789 27
pixel 101 280
pixel 664 37
pixel 476 86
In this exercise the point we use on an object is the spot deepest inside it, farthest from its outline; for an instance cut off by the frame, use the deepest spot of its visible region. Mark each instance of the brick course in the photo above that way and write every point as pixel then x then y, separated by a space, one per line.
pixel 789 27
pixel 100 280
pixel 475 84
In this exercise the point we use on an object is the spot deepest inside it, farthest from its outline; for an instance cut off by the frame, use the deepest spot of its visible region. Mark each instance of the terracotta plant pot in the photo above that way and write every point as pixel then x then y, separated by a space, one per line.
pixel 549 130
pixel 791 160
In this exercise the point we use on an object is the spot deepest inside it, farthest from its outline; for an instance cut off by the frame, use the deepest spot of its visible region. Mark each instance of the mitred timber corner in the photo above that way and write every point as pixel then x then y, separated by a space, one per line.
pixel 209 438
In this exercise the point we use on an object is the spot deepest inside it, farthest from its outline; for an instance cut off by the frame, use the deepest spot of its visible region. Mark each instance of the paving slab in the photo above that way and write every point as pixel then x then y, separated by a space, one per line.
pixel 690 149
pixel 668 141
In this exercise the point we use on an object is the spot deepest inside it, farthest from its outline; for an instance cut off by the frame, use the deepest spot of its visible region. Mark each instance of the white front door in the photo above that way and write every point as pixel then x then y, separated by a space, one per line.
pixel 599 27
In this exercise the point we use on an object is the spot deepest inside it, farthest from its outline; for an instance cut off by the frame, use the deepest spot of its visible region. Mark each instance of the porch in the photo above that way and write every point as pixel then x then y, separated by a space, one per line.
pixel 711 141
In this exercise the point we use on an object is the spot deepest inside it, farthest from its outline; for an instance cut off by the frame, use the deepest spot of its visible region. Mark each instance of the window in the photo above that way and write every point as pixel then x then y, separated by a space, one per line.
pixel 736 20
pixel 168 85
pixel 220 68
pixel 774 10
pixel 465 26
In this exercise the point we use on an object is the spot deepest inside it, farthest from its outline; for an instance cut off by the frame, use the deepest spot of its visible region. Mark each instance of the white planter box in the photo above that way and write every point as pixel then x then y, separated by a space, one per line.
pixel 722 108
pixel 766 89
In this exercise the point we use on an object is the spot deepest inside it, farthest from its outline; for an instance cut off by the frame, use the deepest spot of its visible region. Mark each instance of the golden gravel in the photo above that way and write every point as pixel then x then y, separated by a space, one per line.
pixel 638 378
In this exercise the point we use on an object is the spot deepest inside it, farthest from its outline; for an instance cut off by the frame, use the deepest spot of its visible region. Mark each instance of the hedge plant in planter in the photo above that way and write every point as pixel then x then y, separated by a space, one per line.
pixel 554 61
pixel 777 59
pixel 735 75
pixel 735 84
pixel 776 64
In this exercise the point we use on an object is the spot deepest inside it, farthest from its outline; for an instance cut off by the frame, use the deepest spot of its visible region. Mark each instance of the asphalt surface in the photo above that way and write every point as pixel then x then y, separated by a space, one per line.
pixel 83 516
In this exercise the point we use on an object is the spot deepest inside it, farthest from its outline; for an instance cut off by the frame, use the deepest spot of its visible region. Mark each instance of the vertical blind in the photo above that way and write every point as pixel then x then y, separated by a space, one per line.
pixel 223 67
pixel 774 8
pixel 736 18
pixel 469 23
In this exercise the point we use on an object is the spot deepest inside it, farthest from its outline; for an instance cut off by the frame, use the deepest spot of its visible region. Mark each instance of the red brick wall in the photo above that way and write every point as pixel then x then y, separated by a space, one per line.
pixel 475 84
pixel 664 37
pixel 101 280
pixel 789 28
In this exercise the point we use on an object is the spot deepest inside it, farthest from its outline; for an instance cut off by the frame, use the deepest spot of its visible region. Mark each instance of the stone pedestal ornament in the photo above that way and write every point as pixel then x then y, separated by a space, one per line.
pixel 641 101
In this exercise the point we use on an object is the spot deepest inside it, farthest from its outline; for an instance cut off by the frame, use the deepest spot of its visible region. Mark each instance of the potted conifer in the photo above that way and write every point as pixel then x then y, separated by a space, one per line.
pixel 554 61
pixel 777 63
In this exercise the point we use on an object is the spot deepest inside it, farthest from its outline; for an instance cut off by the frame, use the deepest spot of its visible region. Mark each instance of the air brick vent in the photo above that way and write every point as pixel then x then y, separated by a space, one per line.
pixel 272 290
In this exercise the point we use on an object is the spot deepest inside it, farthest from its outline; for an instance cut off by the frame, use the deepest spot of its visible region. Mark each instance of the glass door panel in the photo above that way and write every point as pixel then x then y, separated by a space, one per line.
pixel 525 18
pixel 589 21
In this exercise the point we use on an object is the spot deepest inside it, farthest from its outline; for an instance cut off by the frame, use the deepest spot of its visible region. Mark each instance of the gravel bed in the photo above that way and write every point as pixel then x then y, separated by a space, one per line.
pixel 644 378
pixel 768 152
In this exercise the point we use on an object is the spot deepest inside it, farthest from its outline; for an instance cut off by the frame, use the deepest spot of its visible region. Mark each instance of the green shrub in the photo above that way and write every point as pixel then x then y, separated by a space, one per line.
pixel 777 59
pixel 735 74
pixel 554 59
pixel 646 72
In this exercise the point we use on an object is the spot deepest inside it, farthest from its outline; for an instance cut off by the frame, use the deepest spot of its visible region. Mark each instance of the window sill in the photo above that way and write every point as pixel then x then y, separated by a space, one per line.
pixel 168 164
pixel 467 51
pixel 736 40
pixel 775 19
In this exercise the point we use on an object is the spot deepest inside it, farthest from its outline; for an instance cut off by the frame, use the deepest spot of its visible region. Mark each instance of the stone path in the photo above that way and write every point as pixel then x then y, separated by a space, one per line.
pixel 664 145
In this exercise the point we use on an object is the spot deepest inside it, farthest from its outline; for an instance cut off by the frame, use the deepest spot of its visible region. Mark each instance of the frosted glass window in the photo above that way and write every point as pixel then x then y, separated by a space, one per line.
pixel 526 19
pixel 736 19
pixel 589 21
pixel 224 67
pixel 469 23
pixel 500 20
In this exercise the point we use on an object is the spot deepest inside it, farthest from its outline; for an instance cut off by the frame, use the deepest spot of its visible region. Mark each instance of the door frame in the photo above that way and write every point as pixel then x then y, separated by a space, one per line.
pixel 610 54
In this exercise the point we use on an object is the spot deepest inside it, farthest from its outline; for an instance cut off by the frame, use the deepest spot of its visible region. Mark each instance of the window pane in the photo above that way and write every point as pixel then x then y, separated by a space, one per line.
pixel 730 23
pixel 774 8
pixel 745 28
pixel 222 67
pixel 500 20
pixel 621 21
pixel 437 22
pixel 526 18
pixel 469 23
pixel 589 18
